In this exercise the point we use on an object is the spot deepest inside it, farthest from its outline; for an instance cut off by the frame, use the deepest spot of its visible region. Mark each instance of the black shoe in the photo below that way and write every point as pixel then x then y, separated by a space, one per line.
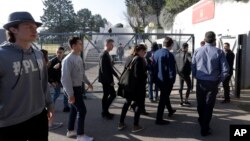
pixel 162 122
pixel 171 113
pixel 66 109
pixel 225 101
pixel 145 113
pixel 107 115
pixel 204 134
pixel 187 103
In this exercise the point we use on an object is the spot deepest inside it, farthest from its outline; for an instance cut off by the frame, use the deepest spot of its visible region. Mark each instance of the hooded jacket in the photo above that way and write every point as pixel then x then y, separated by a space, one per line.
pixel 23 84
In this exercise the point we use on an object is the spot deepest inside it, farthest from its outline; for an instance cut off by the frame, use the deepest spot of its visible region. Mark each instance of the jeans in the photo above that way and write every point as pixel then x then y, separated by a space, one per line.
pixel 206 92
pixel 57 93
pixel 150 88
pixel 77 111
pixel 33 129
pixel 188 83
pixel 109 95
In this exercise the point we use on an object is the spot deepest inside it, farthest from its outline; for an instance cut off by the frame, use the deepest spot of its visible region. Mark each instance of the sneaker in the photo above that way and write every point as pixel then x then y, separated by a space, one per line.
pixel 181 104
pixel 225 101
pixel 187 103
pixel 71 134
pixel 66 109
pixel 137 129
pixel 84 138
pixel 121 126
pixel 55 125
pixel 162 122
pixel 171 113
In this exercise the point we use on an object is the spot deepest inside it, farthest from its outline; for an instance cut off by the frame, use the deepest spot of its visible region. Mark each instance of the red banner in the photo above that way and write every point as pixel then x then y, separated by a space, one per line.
pixel 203 11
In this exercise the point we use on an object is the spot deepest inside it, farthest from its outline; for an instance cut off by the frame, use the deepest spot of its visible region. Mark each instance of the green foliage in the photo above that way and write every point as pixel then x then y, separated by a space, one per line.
pixel 176 6
pixel 59 16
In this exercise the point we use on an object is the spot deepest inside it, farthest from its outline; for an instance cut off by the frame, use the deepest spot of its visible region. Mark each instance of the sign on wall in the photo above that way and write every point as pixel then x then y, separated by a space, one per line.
pixel 203 11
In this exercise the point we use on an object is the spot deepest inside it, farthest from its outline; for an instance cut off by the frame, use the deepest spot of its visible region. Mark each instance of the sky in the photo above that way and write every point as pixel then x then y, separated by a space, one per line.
pixel 112 10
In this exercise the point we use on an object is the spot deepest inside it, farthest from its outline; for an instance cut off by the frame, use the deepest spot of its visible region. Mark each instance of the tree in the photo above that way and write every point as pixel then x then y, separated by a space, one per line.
pixel 59 16
pixel 156 6
pixel 83 19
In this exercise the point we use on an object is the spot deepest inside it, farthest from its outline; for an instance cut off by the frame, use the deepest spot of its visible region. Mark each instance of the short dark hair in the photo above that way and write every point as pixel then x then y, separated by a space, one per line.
pixel 61 48
pixel 73 40
pixel 227 44
pixel 168 42
pixel 210 37
pixel 154 46
pixel 185 45
pixel 109 41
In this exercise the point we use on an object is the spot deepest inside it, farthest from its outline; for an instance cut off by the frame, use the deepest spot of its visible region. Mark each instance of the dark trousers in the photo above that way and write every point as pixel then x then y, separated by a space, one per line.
pixel 206 92
pixel 139 106
pixel 150 88
pixel 34 129
pixel 164 101
pixel 109 95
pixel 77 111
pixel 187 80
pixel 226 87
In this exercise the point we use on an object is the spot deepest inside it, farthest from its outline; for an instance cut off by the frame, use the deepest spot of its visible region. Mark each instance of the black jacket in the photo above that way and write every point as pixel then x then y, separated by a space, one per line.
pixel 230 60
pixel 54 74
pixel 183 63
pixel 139 76
pixel 106 70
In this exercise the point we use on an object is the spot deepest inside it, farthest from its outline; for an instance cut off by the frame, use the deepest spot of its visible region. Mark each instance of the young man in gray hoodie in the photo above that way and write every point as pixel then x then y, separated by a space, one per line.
pixel 72 77
pixel 24 98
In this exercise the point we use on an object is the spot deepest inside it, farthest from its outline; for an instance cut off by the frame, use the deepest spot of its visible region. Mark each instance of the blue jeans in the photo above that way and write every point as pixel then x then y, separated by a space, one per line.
pixel 150 88
pixel 57 93
pixel 77 111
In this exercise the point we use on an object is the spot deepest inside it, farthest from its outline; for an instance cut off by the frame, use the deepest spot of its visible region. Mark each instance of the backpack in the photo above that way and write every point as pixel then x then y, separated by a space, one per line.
pixel 126 85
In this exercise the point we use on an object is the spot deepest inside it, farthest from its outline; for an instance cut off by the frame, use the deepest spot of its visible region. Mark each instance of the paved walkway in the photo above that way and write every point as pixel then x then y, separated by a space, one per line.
pixel 183 126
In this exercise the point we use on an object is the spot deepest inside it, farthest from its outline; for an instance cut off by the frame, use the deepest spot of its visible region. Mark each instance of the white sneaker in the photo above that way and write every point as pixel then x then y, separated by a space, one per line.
pixel 84 138
pixel 71 134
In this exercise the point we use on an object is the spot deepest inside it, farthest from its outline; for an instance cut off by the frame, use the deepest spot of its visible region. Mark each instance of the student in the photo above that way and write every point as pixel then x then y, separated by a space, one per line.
pixel 72 77
pixel 25 103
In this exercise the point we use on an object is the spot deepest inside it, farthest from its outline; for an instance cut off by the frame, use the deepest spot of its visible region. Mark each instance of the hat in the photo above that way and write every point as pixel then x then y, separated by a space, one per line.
pixel 16 18
pixel 210 37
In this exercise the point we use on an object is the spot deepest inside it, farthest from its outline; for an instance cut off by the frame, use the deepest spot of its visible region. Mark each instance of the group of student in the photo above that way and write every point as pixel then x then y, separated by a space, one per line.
pixel 26 104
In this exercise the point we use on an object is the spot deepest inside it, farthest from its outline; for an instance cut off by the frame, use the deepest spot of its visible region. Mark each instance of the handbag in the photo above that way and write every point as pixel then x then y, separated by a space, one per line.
pixel 125 84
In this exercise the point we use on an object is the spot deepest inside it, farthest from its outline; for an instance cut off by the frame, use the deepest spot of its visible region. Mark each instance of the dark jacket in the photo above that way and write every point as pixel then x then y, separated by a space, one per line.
pixel 164 67
pixel 106 70
pixel 183 64
pixel 54 74
pixel 230 60
pixel 139 76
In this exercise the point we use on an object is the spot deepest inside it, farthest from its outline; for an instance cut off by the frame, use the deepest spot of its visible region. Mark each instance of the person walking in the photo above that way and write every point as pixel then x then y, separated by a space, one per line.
pixel 54 72
pixel 72 77
pixel 165 74
pixel 120 52
pixel 183 64
pixel 230 60
pixel 150 62
pixel 25 104
pixel 209 67
pixel 106 73
pixel 139 77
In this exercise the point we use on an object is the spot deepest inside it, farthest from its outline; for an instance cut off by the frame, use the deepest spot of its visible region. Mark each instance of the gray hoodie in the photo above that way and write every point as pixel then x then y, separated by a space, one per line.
pixel 23 88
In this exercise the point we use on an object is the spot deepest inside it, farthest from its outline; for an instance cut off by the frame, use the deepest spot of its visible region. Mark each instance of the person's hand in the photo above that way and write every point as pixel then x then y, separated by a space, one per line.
pixel 112 84
pixel 72 100
pixel 90 87
pixel 54 84
pixel 57 66
pixel 50 114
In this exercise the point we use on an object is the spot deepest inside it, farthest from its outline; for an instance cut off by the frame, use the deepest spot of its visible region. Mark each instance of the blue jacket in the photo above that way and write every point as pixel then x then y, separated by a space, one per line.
pixel 164 67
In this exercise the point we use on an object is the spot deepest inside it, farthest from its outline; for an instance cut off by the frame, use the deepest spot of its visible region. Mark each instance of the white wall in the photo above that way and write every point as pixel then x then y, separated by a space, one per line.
pixel 230 18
